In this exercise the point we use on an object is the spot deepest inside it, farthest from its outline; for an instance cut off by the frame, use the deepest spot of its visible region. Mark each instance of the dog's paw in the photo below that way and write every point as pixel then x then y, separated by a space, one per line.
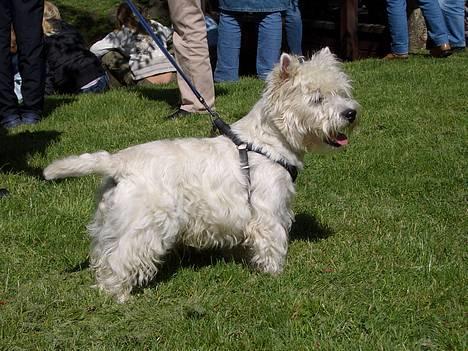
pixel 122 298
pixel 119 296
pixel 268 265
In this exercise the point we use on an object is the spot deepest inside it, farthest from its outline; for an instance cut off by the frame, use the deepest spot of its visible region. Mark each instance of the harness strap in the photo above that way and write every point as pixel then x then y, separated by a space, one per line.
pixel 244 164
pixel 226 130
pixel 292 170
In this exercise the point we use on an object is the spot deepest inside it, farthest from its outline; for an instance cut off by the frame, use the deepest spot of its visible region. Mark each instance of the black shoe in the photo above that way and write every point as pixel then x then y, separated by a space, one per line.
pixel 11 121
pixel 458 49
pixel 179 113
pixel 30 118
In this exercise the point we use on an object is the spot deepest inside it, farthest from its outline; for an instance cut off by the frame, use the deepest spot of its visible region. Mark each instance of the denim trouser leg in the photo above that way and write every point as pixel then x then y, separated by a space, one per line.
pixel 293 25
pixel 454 15
pixel 398 26
pixel 269 43
pixel 436 28
pixel 229 43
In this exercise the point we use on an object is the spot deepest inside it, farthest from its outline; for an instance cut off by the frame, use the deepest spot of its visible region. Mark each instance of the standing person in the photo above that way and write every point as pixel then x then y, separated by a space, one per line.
pixel 454 16
pixel 398 26
pixel 267 16
pixel 26 18
pixel 293 26
pixel 191 53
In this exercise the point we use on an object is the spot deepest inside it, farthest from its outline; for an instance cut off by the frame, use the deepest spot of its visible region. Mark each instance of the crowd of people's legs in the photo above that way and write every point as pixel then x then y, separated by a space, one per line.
pixel 444 21
pixel 32 64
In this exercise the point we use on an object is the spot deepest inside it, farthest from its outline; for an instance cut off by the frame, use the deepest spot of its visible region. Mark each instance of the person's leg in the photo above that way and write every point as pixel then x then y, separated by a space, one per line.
pixel 269 42
pixel 118 69
pixel 101 84
pixel 454 15
pixel 293 25
pixel 436 28
pixel 191 53
pixel 398 26
pixel 161 78
pixel 8 100
pixel 27 23
pixel 229 44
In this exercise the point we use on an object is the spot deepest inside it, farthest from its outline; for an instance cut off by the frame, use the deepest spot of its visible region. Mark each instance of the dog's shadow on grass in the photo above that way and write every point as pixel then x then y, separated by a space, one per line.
pixel 16 149
pixel 307 228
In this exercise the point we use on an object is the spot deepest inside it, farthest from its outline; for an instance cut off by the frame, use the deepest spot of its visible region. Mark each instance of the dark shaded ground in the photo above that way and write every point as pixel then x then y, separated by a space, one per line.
pixel 16 149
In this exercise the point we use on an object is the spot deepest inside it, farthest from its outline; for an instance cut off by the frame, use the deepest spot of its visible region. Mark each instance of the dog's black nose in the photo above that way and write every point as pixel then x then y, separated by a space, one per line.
pixel 349 114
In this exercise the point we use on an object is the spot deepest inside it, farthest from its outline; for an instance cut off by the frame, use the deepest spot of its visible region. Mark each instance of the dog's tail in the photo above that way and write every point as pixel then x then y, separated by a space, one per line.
pixel 76 166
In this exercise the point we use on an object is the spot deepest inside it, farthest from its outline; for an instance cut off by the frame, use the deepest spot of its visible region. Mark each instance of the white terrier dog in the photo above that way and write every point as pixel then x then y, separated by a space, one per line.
pixel 193 191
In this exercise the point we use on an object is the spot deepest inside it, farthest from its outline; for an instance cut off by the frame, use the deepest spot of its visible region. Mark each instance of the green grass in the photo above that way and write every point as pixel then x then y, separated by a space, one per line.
pixel 377 258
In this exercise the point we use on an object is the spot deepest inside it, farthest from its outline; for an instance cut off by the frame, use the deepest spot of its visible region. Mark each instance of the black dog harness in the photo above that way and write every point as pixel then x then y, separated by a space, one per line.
pixel 244 147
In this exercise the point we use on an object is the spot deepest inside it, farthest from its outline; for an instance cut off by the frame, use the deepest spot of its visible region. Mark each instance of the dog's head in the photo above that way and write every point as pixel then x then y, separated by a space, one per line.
pixel 310 102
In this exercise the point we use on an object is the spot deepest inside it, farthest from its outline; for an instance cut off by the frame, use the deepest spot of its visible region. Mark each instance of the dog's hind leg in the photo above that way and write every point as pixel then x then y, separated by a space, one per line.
pixel 268 240
pixel 129 240
pixel 132 260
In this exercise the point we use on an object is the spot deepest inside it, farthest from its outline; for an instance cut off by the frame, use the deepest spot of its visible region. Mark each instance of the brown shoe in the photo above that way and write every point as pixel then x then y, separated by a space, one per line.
pixel 393 56
pixel 443 50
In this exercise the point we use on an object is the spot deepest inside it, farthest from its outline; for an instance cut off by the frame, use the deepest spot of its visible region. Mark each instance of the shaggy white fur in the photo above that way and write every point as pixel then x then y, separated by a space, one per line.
pixel 192 191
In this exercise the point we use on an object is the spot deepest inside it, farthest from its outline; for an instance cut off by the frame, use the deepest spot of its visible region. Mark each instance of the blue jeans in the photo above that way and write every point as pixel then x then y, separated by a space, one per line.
pixel 269 28
pixel 398 23
pixel 101 84
pixel 454 15
pixel 293 26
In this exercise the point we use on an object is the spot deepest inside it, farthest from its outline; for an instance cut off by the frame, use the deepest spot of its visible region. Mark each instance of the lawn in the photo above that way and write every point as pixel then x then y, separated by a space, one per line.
pixel 377 257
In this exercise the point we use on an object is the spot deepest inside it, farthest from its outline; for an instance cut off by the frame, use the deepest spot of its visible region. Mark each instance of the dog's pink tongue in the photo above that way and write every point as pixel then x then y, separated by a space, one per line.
pixel 341 139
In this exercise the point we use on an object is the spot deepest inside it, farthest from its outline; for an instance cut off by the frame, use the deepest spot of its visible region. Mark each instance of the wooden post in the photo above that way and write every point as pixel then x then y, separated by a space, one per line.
pixel 348 29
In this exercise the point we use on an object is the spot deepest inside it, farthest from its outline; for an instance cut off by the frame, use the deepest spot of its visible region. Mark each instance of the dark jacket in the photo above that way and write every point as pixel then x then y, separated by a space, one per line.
pixel 70 65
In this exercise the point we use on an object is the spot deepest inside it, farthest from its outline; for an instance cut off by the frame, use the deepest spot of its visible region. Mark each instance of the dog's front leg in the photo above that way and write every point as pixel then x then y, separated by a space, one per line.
pixel 268 240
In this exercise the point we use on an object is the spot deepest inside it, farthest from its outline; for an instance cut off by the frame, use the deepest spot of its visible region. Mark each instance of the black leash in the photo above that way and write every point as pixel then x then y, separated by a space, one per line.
pixel 217 122
pixel 166 53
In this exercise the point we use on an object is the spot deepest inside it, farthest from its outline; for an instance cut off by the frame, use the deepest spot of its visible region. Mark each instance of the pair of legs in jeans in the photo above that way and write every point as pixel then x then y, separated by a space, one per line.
pixel 454 16
pixel 293 27
pixel 398 24
pixel 269 29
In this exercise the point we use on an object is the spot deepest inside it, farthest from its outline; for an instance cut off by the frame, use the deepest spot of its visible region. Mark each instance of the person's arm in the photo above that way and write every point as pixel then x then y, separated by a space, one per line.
pixel 110 42
pixel 162 31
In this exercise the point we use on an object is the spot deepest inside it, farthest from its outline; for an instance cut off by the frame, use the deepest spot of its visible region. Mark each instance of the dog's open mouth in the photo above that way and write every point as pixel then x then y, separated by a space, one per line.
pixel 337 140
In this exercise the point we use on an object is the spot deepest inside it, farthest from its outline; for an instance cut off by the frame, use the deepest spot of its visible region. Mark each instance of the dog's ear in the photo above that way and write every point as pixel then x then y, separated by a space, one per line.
pixel 326 50
pixel 285 65
pixel 326 54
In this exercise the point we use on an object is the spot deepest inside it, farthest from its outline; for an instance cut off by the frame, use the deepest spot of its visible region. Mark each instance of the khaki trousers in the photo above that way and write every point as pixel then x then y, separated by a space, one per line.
pixel 191 53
